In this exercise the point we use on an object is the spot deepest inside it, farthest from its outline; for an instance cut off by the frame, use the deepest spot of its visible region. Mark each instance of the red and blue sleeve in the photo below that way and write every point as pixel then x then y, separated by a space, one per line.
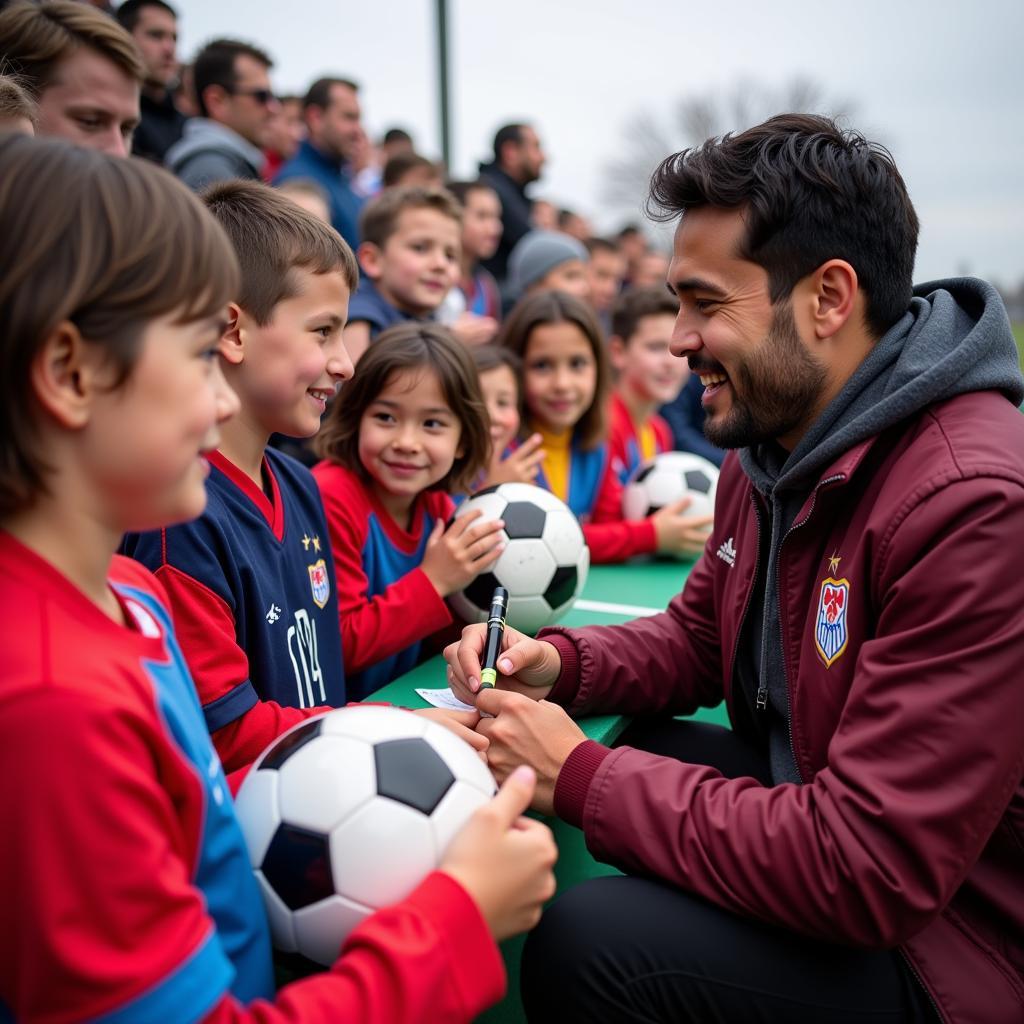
pixel 407 611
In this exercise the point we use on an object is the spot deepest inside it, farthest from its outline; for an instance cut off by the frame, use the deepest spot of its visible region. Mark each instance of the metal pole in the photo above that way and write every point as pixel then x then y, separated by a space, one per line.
pixel 442 79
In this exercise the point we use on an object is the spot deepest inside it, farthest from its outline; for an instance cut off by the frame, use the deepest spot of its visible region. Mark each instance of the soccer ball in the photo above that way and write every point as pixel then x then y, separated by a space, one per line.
pixel 667 478
pixel 543 566
pixel 348 812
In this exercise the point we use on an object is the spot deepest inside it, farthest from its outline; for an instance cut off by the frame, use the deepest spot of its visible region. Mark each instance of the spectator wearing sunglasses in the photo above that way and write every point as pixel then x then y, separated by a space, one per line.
pixel 236 104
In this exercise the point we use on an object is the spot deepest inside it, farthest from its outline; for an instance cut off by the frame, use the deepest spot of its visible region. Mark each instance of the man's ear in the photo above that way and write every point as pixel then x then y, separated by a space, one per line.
pixel 232 342
pixel 835 290
pixel 369 256
pixel 215 98
pixel 66 375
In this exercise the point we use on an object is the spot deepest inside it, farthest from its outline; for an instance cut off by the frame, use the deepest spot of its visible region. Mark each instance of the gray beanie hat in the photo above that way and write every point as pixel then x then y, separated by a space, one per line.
pixel 538 252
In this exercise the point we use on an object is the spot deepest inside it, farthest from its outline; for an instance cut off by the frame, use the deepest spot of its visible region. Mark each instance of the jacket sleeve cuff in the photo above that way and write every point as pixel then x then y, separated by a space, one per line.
pixel 568 682
pixel 574 779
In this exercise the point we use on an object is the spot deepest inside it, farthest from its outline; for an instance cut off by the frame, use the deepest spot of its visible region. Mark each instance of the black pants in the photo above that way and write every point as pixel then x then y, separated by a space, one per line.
pixel 632 949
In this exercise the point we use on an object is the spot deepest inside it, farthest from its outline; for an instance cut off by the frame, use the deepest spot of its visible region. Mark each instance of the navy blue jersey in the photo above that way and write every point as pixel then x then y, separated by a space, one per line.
pixel 252 586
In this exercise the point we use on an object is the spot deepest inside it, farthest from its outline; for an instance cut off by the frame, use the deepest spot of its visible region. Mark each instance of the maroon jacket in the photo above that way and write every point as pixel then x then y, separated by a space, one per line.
pixel 906 712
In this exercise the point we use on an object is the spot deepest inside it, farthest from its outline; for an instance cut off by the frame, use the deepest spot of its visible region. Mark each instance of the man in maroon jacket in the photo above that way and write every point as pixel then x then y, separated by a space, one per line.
pixel 853 849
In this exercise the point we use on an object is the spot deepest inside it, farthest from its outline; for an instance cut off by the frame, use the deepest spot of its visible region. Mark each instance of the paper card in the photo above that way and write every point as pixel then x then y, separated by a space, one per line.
pixel 444 699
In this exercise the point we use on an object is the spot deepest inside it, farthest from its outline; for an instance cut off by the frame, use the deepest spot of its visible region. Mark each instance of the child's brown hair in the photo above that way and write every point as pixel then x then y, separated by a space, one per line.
pixel 490 357
pixel 15 102
pixel 553 307
pixel 107 244
pixel 412 346
pixel 637 303
pixel 272 236
pixel 379 219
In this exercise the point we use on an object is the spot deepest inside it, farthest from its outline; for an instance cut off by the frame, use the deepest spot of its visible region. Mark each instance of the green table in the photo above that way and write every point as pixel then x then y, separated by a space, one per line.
pixel 613 594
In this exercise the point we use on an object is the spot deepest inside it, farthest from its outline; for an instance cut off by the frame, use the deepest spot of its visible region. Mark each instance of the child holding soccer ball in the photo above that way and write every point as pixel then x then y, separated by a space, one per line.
pixel 412 427
pixel 129 891
pixel 565 387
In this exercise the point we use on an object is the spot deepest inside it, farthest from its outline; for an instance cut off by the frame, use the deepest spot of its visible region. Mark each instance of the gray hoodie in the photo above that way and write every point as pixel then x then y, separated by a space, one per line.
pixel 209 151
pixel 954 339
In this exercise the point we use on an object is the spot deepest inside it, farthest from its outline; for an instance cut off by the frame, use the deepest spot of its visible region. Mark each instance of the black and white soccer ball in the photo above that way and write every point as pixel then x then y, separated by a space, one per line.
pixel 667 478
pixel 543 566
pixel 349 812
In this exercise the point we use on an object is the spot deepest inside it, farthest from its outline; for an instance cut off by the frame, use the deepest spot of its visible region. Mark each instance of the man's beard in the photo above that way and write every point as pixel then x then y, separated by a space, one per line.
pixel 775 390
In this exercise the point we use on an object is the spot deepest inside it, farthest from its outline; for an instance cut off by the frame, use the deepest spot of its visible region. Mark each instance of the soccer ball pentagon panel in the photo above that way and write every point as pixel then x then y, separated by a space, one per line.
pixel 667 478
pixel 544 564
pixel 348 812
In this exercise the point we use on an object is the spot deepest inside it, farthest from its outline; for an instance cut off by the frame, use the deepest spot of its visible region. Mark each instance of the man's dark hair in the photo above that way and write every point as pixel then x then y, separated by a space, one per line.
pixel 215 65
pixel 129 13
pixel 810 192
pixel 507 133
pixel 319 93
pixel 396 135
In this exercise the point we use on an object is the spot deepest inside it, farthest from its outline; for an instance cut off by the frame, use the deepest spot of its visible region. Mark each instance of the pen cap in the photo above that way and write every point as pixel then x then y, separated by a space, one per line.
pixel 499 604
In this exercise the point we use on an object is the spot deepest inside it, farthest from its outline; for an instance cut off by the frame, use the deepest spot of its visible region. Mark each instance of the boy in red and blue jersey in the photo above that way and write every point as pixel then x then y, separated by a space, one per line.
pixel 132 897
pixel 251 581
pixel 648 376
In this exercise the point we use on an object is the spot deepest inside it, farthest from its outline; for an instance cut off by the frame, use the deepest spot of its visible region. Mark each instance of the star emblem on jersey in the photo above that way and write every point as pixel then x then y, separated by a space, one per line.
pixel 319 582
pixel 833 564
pixel 830 633
pixel 306 541
pixel 316 543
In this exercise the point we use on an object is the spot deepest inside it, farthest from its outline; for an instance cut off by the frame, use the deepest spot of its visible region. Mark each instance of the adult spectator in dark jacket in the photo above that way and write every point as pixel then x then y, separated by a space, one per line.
pixel 851 849
pixel 333 121
pixel 153 25
pixel 518 160
pixel 82 69
pixel 236 103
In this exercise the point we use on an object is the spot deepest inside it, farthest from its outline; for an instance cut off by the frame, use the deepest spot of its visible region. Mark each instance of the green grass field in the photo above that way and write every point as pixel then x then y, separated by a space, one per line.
pixel 1018 333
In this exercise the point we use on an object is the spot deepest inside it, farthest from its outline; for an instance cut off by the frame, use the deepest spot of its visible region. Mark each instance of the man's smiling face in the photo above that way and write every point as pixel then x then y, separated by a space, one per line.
pixel 761 382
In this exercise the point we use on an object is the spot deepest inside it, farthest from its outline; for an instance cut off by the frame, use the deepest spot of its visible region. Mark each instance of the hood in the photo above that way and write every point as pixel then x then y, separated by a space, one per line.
pixel 955 338
pixel 202 134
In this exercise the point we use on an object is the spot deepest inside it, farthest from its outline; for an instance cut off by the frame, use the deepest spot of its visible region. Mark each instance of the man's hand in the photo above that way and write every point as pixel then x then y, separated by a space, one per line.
pixel 525 665
pixel 524 731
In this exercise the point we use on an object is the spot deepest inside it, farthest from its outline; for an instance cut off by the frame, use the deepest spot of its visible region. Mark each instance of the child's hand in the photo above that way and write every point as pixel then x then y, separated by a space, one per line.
pixel 462 723
pixel 454 557
pixel 678 534
pixel 504 860
pixel 520 466
pixel 471 329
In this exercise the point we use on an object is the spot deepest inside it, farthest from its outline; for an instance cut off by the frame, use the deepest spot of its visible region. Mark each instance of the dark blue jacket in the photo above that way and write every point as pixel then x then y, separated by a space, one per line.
pixel 309 162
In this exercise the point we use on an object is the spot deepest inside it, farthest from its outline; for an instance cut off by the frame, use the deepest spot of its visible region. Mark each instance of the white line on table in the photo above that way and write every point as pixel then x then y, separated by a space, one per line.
pixel 615 609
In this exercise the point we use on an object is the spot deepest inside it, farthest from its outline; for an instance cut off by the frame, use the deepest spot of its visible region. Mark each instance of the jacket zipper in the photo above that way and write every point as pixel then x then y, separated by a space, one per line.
pixel 762 690
pixel 746 605
pixel 922 986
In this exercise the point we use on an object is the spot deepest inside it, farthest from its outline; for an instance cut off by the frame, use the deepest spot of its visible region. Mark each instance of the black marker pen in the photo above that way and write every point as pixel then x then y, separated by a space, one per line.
pixel 495 631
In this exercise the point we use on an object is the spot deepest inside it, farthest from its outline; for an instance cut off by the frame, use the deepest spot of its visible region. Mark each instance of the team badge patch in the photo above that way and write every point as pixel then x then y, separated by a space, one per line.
pixel 320 582
pixel 830 633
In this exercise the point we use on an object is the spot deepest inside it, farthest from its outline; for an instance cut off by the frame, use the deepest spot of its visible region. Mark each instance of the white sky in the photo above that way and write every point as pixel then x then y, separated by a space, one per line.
pixel 941 83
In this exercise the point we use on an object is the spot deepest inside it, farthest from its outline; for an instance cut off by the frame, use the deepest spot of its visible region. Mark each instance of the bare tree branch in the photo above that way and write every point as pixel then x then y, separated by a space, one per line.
pixel 646 141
